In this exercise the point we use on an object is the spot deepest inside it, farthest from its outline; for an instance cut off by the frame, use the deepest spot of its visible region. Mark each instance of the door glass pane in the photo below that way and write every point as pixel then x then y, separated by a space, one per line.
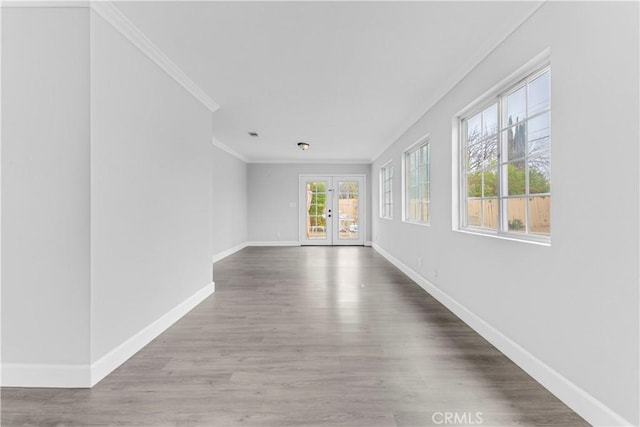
pixel 316 210
pixel 348 218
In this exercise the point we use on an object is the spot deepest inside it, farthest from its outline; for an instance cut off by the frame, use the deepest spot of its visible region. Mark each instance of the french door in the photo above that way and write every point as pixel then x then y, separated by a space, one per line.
pixel 332 210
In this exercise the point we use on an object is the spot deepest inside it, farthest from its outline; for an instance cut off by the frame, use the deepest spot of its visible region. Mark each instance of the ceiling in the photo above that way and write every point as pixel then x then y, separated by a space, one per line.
pixel 346 77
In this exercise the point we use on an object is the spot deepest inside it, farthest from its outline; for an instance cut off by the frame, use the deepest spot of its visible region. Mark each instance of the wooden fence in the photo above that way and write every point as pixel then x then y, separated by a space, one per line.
pixel 539 213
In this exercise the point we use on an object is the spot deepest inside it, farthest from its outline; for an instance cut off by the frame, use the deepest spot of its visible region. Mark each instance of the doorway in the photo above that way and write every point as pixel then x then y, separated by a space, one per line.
pixel 332 209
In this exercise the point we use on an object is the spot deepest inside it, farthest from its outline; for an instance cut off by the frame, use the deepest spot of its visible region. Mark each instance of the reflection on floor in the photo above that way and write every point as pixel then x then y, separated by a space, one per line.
pixel 326 336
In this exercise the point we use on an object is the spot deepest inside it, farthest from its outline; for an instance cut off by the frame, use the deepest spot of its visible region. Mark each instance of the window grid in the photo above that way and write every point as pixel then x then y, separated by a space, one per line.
pixel 506 164
pixel 417 185
pixel 386 191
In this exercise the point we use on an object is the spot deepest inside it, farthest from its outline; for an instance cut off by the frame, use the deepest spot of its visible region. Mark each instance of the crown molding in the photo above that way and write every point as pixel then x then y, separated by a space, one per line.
pixel 228 150
pixel 455 78
pixel 107 10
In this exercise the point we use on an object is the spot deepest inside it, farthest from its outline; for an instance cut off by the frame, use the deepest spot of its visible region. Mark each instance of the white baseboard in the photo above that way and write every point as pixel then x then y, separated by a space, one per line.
pixel 116 357
pixel 281 243
pixel 41 375
pixel 217 257
pixel 85 376
pixel 583 403
pixel 274 243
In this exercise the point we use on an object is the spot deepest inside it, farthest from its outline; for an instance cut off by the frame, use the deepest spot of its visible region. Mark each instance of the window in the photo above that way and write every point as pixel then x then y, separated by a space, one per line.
pixel 416 191
pixel 506 164
pixel 386 191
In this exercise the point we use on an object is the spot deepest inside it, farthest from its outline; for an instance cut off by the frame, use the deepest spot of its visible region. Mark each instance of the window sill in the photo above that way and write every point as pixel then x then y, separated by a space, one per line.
pixel 503 236
pixel 424 224
pixel 387 218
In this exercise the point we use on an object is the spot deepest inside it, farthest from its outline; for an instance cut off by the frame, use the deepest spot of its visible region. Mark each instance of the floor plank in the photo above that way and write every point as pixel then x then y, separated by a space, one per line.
pixel 311 336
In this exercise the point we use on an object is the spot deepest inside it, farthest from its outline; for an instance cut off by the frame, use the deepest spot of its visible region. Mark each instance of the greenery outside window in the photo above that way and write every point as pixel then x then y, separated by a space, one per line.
pixel 506 164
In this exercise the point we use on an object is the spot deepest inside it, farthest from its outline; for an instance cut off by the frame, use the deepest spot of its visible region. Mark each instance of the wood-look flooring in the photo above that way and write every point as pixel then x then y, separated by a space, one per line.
pixel 310 336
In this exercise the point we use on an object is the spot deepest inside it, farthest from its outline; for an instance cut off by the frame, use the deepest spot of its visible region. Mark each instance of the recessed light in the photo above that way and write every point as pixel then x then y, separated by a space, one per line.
pixel 303 146
pixel 253 134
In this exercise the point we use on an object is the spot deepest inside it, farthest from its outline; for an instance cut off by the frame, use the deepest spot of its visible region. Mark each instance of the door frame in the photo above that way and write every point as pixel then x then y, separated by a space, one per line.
pixel 302 203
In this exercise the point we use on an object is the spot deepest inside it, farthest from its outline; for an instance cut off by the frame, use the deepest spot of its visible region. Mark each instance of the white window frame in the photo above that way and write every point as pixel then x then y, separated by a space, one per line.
pixel 498 97
pixel 384 169
pixel 415 147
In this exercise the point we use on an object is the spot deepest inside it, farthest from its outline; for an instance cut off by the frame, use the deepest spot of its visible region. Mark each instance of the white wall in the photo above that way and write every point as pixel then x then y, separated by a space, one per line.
pixel 45 188
pixel 229 201
pixel 273 198
pixel 108 219
pixel 573 305
pixel 151 193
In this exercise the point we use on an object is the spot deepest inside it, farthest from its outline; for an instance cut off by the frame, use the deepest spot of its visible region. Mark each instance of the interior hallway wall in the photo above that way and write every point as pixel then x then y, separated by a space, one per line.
pixel 45 189
pixel 107 186
pixel 572 305
pixel 151 193
pixel 229 201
